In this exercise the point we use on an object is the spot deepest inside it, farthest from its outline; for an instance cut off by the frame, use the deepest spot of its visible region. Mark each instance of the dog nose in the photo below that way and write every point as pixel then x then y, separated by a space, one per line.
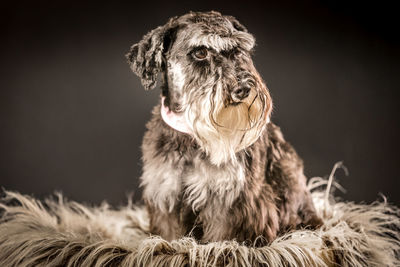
pixel 241 92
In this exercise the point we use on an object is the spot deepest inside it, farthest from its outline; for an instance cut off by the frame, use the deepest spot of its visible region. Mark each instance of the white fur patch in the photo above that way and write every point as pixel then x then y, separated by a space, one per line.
pixel 162 184
pixel 202 181
pixel 205 181
pixel 218 43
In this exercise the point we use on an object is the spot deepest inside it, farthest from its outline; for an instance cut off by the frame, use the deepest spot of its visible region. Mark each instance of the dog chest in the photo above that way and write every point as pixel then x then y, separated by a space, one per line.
pixel 204 183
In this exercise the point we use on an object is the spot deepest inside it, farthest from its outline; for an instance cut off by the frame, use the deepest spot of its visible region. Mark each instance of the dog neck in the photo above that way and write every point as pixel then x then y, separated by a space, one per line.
pixel 175 121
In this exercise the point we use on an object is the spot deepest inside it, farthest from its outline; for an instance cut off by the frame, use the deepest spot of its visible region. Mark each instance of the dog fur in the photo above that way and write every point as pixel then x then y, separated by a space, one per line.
pixel 229 173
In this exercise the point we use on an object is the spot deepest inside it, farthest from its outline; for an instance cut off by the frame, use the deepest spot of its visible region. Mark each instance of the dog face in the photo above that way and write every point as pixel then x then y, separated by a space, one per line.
pixel 208 78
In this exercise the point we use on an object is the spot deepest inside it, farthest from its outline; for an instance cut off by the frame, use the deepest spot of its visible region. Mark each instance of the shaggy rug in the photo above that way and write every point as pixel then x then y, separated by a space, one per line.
pixel 56 232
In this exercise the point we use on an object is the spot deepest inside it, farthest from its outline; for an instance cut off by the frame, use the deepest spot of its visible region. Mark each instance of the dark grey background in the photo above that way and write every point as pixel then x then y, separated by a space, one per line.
pixel 72 114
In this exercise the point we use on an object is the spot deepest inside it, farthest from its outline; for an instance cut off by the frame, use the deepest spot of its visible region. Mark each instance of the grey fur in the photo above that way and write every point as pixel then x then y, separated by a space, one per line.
pixel 233 176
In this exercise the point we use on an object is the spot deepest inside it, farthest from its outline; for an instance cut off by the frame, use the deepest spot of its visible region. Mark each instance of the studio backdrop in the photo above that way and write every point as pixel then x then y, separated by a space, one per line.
pixel 73 115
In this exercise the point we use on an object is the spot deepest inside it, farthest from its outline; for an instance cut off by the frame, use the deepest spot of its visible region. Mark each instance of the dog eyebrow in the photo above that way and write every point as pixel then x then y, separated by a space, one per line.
pixel 221 43
pixel 212 41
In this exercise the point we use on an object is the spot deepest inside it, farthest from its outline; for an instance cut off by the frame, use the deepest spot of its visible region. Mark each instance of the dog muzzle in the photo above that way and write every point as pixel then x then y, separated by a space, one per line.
pixel 178 121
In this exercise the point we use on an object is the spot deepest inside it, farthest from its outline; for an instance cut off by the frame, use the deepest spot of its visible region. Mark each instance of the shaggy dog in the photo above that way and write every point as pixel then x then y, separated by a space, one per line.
pixel 214 167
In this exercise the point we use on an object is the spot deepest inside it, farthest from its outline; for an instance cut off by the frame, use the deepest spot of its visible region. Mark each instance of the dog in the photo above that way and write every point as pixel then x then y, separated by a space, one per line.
pixel 214 166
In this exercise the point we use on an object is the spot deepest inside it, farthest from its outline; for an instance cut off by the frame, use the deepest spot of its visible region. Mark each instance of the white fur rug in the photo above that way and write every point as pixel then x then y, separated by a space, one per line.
pixel 64 233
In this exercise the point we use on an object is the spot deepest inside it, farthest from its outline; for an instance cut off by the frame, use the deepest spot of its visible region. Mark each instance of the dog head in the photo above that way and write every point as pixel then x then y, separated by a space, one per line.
pixel 209 80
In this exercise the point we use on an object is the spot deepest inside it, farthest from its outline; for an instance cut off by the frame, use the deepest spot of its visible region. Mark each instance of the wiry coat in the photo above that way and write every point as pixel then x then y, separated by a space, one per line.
pixel 263 193
pixel 233 176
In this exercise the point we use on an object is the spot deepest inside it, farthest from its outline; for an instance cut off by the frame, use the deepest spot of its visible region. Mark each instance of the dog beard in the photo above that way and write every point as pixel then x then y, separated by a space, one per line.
pixel 222 129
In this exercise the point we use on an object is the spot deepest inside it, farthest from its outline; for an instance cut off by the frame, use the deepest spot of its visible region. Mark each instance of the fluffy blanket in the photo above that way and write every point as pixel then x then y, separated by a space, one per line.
pixel 57 232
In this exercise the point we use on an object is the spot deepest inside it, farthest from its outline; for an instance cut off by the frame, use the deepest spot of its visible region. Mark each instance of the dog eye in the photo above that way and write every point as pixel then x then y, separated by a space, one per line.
pixel 238 53
pixel 201 53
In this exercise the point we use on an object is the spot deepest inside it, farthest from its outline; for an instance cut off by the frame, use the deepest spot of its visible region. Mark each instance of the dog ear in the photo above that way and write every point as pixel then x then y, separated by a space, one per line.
pixel 236 24
pixel 146 58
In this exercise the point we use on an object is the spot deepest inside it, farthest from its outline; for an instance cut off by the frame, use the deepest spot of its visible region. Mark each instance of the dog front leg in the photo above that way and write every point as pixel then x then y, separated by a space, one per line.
pixel 164 224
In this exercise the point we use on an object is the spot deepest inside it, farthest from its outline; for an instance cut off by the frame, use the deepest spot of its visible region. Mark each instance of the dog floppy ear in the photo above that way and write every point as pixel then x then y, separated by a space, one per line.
pixel 146 58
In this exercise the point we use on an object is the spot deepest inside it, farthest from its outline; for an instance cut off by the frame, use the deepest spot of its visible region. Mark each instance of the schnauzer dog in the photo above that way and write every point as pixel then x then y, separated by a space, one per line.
pixel 214 167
